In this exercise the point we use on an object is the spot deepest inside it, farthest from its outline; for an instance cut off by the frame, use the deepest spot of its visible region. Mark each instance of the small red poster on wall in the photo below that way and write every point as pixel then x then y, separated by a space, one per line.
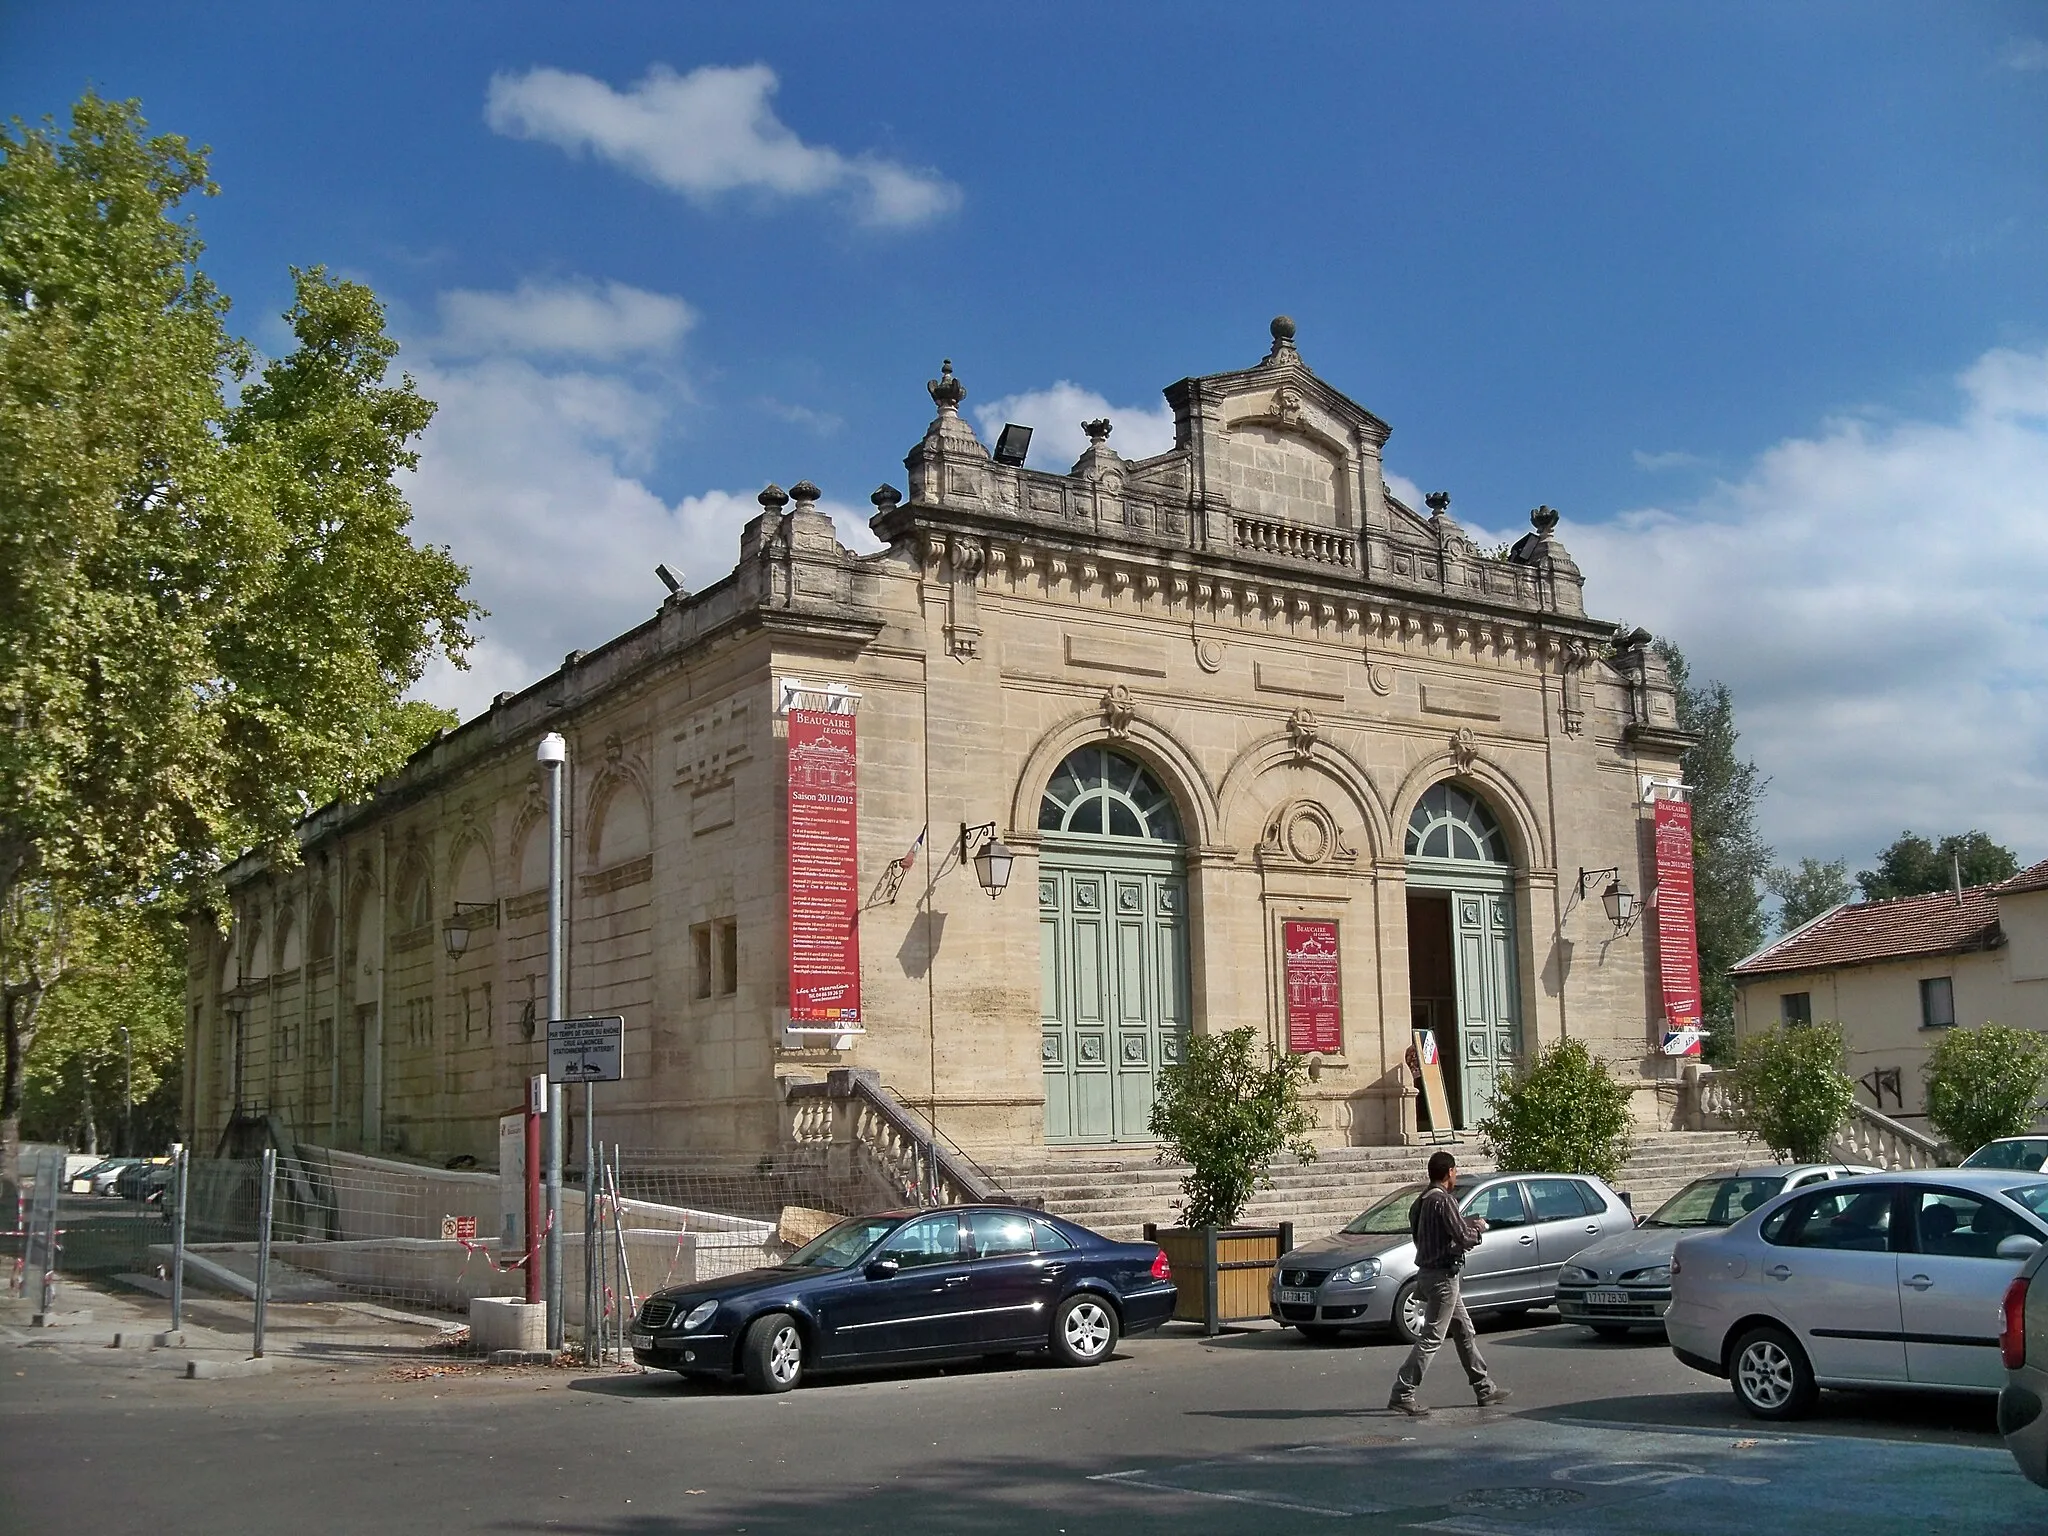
pixel 824 896
pixel 1678 955
pixel 1315 998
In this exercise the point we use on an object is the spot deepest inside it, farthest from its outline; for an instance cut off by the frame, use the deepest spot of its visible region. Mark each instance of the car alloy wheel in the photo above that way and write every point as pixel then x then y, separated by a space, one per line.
pixel 1411 1313
pixel 773 1356
pixel 1770 1375
pixel 1084 1331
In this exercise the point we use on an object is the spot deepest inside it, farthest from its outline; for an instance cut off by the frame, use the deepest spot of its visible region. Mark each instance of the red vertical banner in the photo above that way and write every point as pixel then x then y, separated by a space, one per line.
pixel 824 872
pixel 1678 953
pixel 1315 994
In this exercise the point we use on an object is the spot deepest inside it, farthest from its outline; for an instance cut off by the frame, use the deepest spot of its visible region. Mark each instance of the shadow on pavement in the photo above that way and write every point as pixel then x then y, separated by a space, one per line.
pixel 667 1384
pixel 1933 1417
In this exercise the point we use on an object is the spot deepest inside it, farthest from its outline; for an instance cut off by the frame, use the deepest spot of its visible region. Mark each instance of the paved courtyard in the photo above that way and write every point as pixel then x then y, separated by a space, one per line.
pixel 1253 1432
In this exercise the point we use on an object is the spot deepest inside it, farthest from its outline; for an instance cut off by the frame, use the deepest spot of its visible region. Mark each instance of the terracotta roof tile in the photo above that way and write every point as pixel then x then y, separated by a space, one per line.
pixel 2035 879
pixel 1944 923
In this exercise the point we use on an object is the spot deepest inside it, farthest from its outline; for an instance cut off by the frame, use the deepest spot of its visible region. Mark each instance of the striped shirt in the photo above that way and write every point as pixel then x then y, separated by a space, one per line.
pixel 1442 1234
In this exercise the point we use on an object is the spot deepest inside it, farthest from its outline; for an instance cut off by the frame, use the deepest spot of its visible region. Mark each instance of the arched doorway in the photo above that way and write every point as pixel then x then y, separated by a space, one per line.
pixel 1113 954
pixel 1461 943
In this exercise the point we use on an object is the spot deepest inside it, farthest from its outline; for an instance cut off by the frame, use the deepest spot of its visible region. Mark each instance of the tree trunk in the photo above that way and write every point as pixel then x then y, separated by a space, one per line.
pixel 17 1034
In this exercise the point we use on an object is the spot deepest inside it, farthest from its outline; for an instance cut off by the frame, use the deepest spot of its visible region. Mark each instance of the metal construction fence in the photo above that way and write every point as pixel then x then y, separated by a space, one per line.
pixel 362 1257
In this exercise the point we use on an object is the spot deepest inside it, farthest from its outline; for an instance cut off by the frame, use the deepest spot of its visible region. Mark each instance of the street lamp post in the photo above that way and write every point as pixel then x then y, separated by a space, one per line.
pixel 553 754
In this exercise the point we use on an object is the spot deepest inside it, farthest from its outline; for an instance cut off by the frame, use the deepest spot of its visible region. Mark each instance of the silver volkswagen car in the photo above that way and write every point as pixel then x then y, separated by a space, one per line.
pixel 1364 1276
pixel 1889 1280
pixel 1624 1282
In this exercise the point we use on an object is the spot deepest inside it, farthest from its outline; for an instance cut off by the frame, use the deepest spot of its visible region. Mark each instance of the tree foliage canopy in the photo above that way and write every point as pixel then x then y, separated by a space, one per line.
pixel 1228 1110
pixel 1816 886
pixel 1985 1083
pixel 1564 1112
pixel 1730 858
pixel 1792 1089
pixel 210 610
pixel 1914 866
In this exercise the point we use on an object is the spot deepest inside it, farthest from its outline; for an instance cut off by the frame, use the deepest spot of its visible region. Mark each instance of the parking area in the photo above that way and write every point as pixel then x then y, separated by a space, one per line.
pixel 1252 1432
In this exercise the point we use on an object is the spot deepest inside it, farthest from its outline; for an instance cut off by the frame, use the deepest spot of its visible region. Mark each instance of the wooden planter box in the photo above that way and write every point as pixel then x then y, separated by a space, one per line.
pixel 1221 1274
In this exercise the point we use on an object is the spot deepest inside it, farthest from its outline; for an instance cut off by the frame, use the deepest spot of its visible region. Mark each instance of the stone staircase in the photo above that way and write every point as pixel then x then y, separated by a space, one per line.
pixel 1117 1192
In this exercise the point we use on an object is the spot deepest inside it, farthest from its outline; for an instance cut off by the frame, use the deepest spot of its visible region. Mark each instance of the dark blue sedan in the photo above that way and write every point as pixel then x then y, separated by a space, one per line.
pixel 910 1286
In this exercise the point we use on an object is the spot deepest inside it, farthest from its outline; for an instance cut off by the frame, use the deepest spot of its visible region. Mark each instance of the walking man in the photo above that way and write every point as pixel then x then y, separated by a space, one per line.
pixel 1442 1239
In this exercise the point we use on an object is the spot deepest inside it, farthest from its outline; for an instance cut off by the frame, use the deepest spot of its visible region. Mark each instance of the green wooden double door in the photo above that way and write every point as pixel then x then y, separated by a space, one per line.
pixel 1113 958
pixel 1489 1028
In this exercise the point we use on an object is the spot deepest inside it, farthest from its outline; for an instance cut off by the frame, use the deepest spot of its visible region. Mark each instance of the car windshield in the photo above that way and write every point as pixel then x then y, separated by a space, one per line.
pixel 1390 1215
pixel 2033 1196
pixel 844 1243
pixel 2027 1154
pixel 1716 1202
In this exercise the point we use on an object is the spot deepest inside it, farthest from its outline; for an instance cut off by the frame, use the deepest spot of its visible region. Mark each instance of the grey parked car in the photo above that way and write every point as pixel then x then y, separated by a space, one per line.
pixel 2023 1344
pixel 1888 1280
pixel 1364 1275
pixel 1624 1282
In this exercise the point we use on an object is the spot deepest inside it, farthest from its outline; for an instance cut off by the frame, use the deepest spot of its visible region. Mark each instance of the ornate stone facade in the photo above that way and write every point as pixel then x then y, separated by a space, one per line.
pixel 1249 627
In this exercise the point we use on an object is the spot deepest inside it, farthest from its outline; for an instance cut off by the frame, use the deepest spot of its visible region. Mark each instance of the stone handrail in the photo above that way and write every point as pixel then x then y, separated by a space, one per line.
pixel 880 1142
pixel 1269 536
pixel 1707 1102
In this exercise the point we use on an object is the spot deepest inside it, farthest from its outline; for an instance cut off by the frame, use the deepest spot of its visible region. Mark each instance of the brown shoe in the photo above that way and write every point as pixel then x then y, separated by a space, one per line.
pixel 1409 1406
pixel 1494 1395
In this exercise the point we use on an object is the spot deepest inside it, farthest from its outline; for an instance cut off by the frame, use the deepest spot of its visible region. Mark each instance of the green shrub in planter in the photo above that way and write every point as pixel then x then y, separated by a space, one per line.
pixel 1563 1113
pixel 1791 1089
pixel 1228 1110
pixel 1985 1083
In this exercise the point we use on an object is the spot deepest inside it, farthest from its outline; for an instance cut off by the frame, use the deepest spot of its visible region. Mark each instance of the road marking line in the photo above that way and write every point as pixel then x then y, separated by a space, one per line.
pixel 1139 1479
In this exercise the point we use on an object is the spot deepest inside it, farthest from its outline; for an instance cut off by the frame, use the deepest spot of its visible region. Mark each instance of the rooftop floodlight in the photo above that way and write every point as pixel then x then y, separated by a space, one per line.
pixel 1013 444
pixel 669 578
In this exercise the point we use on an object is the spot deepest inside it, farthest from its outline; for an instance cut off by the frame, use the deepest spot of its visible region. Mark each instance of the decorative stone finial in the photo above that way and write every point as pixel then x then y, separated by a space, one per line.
pixel 1283 341
pixel 886 499
pixel 773 499
pixel 804 493
pixel 1438 502
pixel 1097 430
pixel 946 391
pixel 1282 328
pixel 1544 521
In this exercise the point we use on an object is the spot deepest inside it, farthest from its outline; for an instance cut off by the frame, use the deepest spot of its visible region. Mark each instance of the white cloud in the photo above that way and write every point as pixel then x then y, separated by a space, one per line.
pixel 534 476
pixel 1406 491
pixel 1055 415
pixel 2025 53
pixel 567 319
pixel 1876 596
pixel 710 132
pixel 1670 460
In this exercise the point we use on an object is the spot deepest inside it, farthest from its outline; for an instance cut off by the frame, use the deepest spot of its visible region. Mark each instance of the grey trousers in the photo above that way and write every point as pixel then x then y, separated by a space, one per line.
pixel 1445 1311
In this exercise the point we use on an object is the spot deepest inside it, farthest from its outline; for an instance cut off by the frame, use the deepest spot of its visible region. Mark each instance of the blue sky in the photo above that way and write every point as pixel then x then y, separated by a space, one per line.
pixel 1757 295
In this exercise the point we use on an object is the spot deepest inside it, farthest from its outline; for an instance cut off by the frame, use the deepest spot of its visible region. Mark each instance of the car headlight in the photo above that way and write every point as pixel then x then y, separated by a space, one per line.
pixel 1656 1274
pixel 1577 1274
pixel 1363 1273
pixel 698 1315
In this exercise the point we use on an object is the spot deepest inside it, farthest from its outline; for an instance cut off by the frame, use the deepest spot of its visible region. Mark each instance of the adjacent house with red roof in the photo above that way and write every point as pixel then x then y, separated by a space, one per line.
pixel 1894 974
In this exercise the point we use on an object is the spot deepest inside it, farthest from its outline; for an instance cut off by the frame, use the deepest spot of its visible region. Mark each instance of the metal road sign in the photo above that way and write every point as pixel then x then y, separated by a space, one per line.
pixel 587 1050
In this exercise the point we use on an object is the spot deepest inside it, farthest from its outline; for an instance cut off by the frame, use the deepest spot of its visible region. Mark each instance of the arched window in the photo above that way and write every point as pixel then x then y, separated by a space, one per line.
pixel 1100 793
pixel 1448 823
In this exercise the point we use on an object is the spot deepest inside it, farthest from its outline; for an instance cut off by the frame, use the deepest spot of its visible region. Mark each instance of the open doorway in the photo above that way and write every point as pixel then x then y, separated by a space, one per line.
pixel 1433 993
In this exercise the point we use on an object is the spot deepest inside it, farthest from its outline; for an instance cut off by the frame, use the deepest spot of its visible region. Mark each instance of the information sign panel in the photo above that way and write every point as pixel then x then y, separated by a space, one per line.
pixel 1678 956
pixel 587 1050
pixel 1315 996
pixel 824 895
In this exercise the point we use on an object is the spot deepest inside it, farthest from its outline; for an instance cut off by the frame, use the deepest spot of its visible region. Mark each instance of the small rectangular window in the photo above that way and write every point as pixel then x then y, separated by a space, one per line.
pixel 700 942
pixel 1937 1002
pixel 728 957
pixel 1795 1007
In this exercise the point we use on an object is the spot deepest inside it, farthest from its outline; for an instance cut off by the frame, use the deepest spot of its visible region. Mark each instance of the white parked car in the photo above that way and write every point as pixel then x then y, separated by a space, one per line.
pixel 2026 1153
pixel 1889 1280
pixel 1624 1282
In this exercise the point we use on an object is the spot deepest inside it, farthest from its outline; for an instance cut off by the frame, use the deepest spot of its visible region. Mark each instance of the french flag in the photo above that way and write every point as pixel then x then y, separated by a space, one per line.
pixel 910 858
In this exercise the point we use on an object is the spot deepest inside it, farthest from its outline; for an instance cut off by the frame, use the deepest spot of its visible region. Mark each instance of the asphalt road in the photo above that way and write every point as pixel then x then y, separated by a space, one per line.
pixel 1251 1432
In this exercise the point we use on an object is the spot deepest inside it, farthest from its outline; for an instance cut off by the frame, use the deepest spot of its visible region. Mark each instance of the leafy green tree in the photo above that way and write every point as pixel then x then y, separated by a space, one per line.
pixel 1228 1110
pixel 1811 889
pixel 1564 1112
pixel 210 610
pixel 1985 1083
pixel 1793 1090
pixel 1914 866
pixel 1729 857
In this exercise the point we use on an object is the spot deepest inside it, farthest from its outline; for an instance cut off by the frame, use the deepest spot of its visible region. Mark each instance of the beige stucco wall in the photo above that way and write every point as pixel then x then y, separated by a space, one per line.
pixel 1878 1006
pixel 1250 690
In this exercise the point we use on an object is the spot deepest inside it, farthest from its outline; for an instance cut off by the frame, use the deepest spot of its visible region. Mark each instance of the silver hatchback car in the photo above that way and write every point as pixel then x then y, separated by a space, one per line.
pixel 1888 1280
pixel 1364 1276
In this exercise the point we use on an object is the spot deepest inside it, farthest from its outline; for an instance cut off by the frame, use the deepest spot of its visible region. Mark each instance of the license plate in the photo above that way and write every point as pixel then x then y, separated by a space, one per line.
pixel 1298 1298
pixel 643 1341
pixel 1607 1298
